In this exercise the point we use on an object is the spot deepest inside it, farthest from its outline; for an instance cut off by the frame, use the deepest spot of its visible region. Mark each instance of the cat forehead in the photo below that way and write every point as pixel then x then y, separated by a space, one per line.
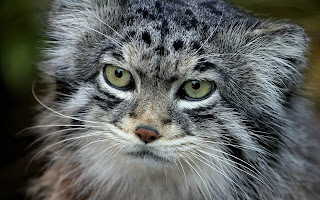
pixel 170 17
pixel 188 14
pixel 167 34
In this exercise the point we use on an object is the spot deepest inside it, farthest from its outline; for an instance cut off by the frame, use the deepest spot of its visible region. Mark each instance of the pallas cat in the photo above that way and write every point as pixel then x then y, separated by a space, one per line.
pixel 173 99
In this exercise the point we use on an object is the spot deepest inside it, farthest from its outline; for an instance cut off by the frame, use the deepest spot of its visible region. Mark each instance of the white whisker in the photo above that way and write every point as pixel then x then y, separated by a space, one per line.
pixel 56 125
pixel 61 142
pixel 205 42
pixel 205 184
pixel 223 175
pixel 53 133
pixel 109 26
pixel 58 113
pixel 255 175
pixel 118 43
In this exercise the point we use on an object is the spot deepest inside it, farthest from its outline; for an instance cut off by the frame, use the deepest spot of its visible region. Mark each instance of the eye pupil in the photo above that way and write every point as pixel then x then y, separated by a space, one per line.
pixel 118 73
pixel 195 85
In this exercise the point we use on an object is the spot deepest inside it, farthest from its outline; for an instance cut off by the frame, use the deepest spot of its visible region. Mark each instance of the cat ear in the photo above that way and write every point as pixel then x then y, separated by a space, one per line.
pixel 280 49
pixel 72 26
pixel 274 57
pixel 287 43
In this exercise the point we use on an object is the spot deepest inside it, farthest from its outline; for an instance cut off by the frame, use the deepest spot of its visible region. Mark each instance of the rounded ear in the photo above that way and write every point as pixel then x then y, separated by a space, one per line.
pixel 285 41
pixel 282 46
pixel 274 57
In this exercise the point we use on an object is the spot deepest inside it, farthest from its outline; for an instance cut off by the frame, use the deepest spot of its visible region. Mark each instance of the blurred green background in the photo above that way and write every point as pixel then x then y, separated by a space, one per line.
pixel 20 43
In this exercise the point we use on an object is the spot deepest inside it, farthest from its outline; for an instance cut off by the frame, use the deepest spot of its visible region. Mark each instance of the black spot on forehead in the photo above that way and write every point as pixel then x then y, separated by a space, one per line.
pixel 129 19
pixel 158 6
pixel 188 23
pixel 146 37
pixel 178 44
pixel 139 10
pixel 130 35
pixel 145 13
pixel 194 22
pixel 189 12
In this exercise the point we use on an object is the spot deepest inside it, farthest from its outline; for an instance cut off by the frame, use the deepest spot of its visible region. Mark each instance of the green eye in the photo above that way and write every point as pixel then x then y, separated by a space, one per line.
pixel 118 77
pixel 198 90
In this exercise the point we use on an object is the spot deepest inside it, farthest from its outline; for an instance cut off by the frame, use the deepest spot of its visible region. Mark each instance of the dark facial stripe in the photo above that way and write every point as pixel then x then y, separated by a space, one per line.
pixel 105 100
pixel 182 121
pixel 200 110
pixel 201 115
pixel 80 114
pixel 107 95
pixel 263 127
pixel 268 140
pixel 129 36
pixel 64 90
pixel 233 146
pixel 106 103
pixel 166 121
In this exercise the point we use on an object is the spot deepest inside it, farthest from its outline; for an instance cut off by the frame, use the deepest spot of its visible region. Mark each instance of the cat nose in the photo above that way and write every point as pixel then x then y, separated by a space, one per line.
pixel 146 135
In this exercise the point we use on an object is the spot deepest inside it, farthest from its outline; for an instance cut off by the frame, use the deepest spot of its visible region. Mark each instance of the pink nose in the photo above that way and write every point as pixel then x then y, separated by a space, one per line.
pixel 146 135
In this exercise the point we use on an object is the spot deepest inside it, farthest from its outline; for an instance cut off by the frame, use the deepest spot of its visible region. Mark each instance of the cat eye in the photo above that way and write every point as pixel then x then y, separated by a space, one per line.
pixel 198 90
pixel 117 77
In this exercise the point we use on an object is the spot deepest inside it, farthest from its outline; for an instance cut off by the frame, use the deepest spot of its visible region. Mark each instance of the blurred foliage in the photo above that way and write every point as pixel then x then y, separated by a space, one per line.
pixel 20 43
pixel 21 35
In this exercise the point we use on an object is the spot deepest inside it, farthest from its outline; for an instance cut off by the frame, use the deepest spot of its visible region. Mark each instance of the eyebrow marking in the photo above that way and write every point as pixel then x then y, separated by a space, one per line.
pixel 118 56
pixel 201 67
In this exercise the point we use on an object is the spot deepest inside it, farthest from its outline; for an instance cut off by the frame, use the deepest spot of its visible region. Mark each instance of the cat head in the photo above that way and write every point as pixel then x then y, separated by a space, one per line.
pixel 204 79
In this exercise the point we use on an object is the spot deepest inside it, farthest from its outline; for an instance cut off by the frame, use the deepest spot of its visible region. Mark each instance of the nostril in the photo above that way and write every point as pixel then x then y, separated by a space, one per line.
pixel 146 135
pixel 152 138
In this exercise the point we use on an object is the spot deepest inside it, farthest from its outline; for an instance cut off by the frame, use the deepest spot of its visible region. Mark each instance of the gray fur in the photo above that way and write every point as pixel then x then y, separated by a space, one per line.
pixel 251 139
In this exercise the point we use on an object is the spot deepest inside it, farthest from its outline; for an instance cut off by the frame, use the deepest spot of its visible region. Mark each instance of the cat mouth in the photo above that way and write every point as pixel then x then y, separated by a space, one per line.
pixel 147 154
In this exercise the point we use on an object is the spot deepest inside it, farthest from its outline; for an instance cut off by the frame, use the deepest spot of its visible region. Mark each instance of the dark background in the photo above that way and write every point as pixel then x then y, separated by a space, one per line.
pixel 21 34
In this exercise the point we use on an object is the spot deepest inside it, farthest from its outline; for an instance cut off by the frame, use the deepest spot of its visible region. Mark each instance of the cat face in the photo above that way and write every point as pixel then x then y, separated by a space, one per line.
pixel 208 88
